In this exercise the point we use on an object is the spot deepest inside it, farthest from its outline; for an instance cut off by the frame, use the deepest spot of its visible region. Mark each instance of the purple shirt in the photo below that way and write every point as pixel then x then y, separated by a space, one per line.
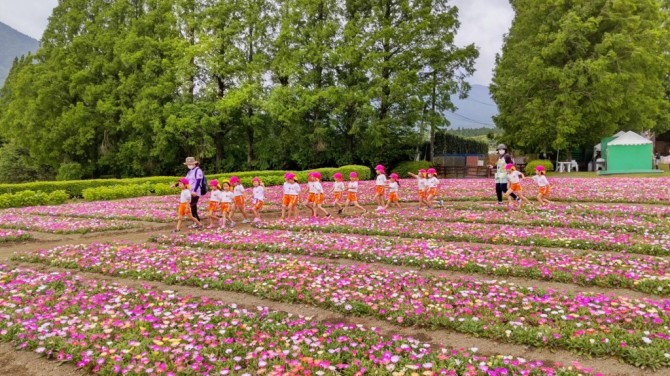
pixel 195 177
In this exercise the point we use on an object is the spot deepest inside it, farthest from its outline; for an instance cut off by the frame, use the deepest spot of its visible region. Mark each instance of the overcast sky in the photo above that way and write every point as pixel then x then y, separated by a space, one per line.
pixel 483 22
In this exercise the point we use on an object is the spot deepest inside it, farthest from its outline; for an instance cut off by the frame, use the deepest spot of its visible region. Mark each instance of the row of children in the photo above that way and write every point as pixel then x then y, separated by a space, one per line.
pixel 514 178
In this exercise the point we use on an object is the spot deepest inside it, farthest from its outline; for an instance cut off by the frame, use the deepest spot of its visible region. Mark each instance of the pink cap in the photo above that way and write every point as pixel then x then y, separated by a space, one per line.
pixel 337 175
pixel 289 176
pixel 509 166
pixel 539 168
pixel 422 171
pixel 316 174
pixel 379 168
pixel 183 181
pixel 234 179
pixel 353 175
pixel 256 178
pixel 394 176
pixel 432 171
pixel 214 183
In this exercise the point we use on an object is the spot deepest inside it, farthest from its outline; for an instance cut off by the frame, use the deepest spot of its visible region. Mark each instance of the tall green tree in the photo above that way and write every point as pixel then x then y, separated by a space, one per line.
pixel 574 71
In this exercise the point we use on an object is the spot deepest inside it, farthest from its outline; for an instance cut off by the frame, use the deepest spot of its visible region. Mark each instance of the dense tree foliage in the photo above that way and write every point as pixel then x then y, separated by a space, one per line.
pixel 573 71
pixel 131 87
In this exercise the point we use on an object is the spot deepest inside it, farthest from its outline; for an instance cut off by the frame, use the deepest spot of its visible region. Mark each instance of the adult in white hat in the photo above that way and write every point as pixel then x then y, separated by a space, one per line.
pixel 501 173
pixel 195 178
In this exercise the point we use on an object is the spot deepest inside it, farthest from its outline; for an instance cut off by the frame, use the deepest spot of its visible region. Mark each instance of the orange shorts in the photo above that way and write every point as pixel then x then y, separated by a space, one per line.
pixel 338 196
pixel 239 200
pixel 289 200
pixel 379 189
pixel 544 190
pixel 432 192
pixel 352 197
pixel 393 197
pixel 225 207
pixel 184 209
pixel 258 205
pixel 515 187
pixel 422 195
pixel 311 197
pixel 213 206
pixel 316 198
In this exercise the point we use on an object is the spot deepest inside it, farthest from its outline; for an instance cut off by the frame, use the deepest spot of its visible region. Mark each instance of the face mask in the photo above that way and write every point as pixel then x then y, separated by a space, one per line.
pixel 191 167
pixel 501 151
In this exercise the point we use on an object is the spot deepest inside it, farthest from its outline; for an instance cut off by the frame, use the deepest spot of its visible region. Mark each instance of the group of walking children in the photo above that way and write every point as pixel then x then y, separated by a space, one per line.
pixel 515 192
pixel 427 184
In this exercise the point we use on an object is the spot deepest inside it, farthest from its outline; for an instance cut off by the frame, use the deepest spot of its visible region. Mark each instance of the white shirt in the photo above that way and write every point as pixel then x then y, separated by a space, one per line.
pixel 216 196
pixel 433 182
pixel 310 186
pixel 292 189
pixel 318 188
pixel 381 179
pixel 353 186
pixel 393 186
pixel 259 193
pixel 338 186
pixel 514 177
pixel 238 190
pixel 423 183
pixel 541 180
pixel 185 196
pixel 226 196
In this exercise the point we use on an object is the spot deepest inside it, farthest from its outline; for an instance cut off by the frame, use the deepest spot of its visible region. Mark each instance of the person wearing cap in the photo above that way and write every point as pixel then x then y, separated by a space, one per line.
pixel 433 182
pixel 289 202
pixel 215 199
pixel 501 173
pixel 514 178
pixel 238 198
pixel 184 209
pixel 540 179
pixel 393 185
pixel 195 178
pixel 226 204
pixel 257 198
pixel 422 185
pixel 380 186
pixel 338 189
pixel 315 195
pixel 352 193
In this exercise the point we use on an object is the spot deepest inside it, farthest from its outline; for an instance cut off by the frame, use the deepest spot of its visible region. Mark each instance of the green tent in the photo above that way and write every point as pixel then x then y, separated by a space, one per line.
pixel 629 153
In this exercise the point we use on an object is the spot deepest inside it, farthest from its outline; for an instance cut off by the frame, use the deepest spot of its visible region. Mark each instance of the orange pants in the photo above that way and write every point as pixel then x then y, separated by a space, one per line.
pixel 213 206
pixel 338 196
pixel 289 200
pixel 239 201
pixel 258 205
pixel 432 192
pixel 225 207
pixel 184 208
pixel 393 197
pixel 379 189
pixel 352 197
pixel 422 195
pixel 516 187
pixel 544 190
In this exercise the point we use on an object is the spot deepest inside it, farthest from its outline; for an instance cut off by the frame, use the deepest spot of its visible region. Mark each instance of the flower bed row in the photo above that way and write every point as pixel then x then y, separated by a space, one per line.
pixel 594 324
pixel 61 225
pixel 601 240
pixel 13 235
pixel 113 329
pixel 642 273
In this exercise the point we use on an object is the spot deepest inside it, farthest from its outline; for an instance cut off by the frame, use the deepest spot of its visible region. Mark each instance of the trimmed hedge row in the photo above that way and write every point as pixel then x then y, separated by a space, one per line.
pixel 75 188
pixel 411 166
pixel 32 198
pixel 530 167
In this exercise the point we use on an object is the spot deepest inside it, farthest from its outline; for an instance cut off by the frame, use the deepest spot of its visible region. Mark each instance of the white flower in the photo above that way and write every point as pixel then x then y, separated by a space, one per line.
pixel 646 340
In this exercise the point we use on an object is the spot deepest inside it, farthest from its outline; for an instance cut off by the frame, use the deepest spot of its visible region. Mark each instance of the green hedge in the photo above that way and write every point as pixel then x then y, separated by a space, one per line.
pixel 530 167
pixel 32 198
pixel 410 166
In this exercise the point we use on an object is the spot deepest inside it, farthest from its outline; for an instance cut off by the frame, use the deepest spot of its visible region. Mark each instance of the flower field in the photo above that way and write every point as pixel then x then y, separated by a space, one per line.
pixel 587 278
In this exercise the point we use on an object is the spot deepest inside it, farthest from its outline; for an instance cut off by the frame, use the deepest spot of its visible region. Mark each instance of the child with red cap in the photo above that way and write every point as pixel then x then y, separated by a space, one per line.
pixel 257 198
pixel 290 198
pixel 315 197
pixel 514 178
pixel 393 191
pixel 540 179
pixel 184 209
pixel 380 185
pixel 238 198
pixel 433 183
pixel 352 193
pixel 215 198
pixel 338 189
pixel 422 183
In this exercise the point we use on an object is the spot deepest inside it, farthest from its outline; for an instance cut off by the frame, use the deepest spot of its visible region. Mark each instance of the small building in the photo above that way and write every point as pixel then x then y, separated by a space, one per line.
pixel 628 153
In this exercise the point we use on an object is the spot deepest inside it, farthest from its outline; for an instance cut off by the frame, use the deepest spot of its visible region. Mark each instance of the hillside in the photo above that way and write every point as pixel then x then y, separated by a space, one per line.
pixel 475 111
pixel 12 45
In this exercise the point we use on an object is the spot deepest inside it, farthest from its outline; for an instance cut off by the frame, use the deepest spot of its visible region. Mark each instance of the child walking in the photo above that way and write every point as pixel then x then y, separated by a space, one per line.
pixel 540 179
pixel 338 189
pixel 226 203
pixel 316 195
pixel 290 198
pixel 352 193
pixel 238 198
pixel 422 185
pixel 258 198
pixel 432 183
pixel 393 191
pixel 184 209
pixel 380 186
pixel 215 198
pixel 514 179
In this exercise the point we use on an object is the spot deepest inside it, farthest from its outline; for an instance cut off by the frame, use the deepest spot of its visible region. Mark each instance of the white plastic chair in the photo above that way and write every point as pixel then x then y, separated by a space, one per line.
pixel 574 165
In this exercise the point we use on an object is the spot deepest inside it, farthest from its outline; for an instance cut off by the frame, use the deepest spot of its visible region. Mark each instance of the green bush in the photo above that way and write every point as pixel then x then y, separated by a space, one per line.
pixel 127 191
pixel 410 166
pixel 364 173
pixel 530 167
pixel 32 198
pixel 70 171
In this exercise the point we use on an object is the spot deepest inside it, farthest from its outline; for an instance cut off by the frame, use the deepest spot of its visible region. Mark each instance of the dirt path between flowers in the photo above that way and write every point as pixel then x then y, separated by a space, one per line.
pixel 436 338
pixel 19 363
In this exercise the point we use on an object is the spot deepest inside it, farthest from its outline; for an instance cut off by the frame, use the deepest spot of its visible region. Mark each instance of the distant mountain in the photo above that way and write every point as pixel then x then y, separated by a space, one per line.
pixel 475 111
pixel 13 44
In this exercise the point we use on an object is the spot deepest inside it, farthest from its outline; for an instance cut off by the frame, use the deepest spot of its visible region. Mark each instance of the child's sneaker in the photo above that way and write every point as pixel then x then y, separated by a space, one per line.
pixel 245 221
